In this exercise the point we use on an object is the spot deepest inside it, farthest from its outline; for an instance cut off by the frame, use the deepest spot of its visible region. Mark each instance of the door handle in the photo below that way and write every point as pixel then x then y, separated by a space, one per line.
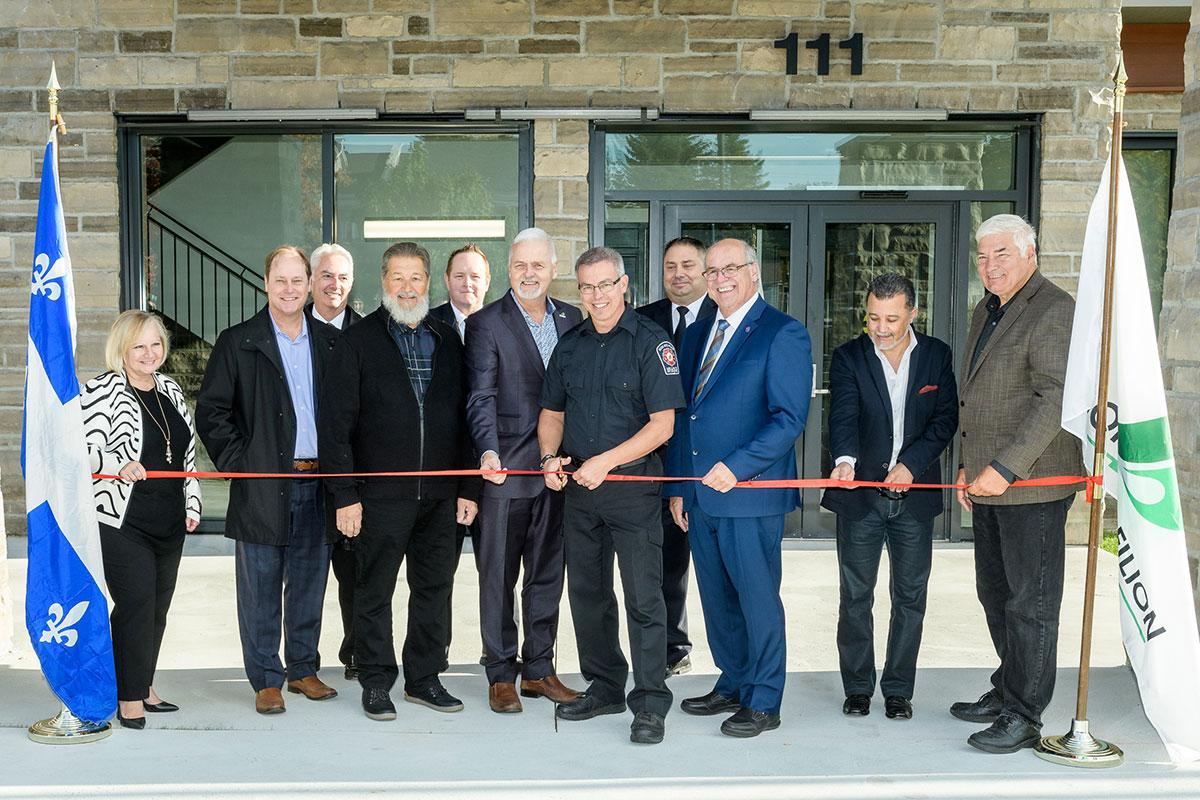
pixel 815 390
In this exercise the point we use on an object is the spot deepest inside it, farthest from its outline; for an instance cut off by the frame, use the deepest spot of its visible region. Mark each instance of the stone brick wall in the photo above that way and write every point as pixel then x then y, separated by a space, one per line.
pixel 403 56
pixel 1180 317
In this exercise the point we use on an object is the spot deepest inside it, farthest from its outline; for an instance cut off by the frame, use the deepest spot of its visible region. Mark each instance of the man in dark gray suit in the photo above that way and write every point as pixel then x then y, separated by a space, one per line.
pixel 509 343
pixel 1010 401
pixel 687 302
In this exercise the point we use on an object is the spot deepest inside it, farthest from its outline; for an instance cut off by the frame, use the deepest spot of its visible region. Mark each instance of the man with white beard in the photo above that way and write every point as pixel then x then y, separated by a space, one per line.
pixel 390 411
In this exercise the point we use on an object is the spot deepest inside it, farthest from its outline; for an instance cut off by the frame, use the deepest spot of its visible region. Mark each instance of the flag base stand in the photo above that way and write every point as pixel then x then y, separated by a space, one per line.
pixel 1079 749
pixel 66 728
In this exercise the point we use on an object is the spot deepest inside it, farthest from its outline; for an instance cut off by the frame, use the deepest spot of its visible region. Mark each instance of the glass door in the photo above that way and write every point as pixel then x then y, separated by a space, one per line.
pixel 848 245
pixel 778 233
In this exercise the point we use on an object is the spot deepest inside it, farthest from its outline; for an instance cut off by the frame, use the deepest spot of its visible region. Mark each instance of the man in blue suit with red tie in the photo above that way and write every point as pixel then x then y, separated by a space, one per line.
pixel 893 410
pixel 747 375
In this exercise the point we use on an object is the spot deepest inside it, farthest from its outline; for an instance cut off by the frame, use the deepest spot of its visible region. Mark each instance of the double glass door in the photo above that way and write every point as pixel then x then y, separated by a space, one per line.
pixel 816 262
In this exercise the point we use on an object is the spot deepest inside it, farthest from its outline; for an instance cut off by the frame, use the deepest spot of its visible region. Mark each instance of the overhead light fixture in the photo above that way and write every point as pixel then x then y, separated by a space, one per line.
pixel 279 114
pixel 491 114
pixel 404 229
pixel 849 115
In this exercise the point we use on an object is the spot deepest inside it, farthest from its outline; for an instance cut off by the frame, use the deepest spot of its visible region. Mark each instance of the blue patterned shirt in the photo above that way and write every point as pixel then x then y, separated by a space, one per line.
pixel 416 345
pixel 545 335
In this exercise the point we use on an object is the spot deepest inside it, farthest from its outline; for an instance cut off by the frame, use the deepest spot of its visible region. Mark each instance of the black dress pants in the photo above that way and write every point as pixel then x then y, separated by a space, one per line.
pixel 421 531
pixel 515 533
pixel 345 569
pixel 1019 557
pixel 677 561
pixel 621 519
pixel 140 574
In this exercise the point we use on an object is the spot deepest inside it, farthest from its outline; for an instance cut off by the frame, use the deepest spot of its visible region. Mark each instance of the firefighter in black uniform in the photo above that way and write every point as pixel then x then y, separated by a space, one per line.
pixel 608 402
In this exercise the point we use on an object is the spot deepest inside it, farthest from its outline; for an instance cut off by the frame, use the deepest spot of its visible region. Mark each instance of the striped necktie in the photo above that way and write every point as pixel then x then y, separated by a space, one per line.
pixel 710 360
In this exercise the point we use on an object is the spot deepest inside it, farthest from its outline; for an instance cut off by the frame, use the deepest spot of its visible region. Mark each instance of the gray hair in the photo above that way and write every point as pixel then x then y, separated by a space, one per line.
pixel 405 250
pixel 751 254
pixel 1024 236
pixel 595 255
pixel 534 235
pixel 329 249
pixel 890 284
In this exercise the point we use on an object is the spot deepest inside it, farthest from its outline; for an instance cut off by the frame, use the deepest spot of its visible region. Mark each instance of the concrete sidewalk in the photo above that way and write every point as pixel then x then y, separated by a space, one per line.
pixel 218 747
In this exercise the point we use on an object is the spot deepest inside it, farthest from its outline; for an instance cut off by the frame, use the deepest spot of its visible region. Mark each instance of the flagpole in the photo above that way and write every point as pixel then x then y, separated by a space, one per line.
pixel 64 727
pixel 1078 748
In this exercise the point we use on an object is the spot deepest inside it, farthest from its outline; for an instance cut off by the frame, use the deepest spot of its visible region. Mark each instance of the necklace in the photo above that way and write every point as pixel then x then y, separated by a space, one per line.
pixel 165 427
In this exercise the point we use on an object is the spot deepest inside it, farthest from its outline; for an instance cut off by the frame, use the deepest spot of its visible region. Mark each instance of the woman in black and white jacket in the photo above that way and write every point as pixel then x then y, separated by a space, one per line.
pixel 136 420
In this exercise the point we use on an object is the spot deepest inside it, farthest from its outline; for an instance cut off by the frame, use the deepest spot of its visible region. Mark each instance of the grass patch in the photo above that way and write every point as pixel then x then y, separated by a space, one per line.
pixel 1110 542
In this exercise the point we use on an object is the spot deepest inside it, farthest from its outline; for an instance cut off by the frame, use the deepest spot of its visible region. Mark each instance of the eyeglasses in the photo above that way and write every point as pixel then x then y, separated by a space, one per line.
pixel 603 287
pixel 727 271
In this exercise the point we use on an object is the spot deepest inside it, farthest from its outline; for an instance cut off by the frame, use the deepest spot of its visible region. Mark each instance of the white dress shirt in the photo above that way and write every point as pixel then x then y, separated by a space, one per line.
pixel 336 322
pixel 460 322
pixel 734 320
pixel 693 311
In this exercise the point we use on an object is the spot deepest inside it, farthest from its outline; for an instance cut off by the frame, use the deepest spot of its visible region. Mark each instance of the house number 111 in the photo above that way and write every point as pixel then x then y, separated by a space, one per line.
pixel 791 43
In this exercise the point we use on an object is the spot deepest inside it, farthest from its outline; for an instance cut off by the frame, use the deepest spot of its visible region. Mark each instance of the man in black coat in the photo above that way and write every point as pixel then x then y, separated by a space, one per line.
pixel 257 412
pixel 893 410
pixel 332 280
pixel 509 343
pixel 395 397
pixel 687 302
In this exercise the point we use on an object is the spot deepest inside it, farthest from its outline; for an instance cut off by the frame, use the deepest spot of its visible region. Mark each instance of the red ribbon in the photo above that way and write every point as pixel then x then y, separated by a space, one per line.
pixel 797 483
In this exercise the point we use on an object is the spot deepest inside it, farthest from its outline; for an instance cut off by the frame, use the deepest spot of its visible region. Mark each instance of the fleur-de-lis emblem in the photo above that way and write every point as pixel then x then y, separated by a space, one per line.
pixel 58 628
pixel 45 276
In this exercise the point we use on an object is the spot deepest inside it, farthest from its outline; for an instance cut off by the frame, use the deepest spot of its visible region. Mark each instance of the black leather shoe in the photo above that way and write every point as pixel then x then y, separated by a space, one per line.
pixel 435 696
pixel 133 723
pixel 857 705
pixel 709 704
pixel 378 705
pixel 351 672
pixel 1008 734
pixel 586 707
pixel 747 723
pixel 159 708
pixel 897 707
pixel 986 709
pixel 647 728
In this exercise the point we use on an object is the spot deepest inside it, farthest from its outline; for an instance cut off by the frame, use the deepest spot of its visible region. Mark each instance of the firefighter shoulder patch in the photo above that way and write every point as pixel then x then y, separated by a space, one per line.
pixel 668 358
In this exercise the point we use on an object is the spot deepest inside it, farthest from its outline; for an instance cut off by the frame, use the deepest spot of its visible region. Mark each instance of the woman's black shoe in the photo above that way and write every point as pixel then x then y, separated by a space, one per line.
pixel 159 708
pixel 136 723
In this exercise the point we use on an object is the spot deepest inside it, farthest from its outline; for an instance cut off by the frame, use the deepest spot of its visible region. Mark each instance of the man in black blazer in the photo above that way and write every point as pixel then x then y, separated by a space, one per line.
pixel 687 301
pixel 332 280
pixel 468 276
pixel 257 412
pixel 509 343
pixel 893 410
pixel 395 398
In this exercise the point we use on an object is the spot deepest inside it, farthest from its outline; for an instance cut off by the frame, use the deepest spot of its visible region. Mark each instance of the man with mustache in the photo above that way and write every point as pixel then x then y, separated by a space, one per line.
pixel 687 302
pixel 509 343
pixel 395 399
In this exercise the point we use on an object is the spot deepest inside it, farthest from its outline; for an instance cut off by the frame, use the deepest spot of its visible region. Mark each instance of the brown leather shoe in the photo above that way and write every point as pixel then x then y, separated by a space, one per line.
pixel 551 688
pixel 502 697
pixel 269 701
pixel 312 687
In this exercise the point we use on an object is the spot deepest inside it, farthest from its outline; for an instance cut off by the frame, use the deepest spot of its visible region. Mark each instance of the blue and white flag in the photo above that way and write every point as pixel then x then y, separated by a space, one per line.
pixel 66 607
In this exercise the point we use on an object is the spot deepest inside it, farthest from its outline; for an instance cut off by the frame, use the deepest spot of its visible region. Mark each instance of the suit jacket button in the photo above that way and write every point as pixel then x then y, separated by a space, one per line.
pixel 693 416
pixel 695 452
pixel 964 434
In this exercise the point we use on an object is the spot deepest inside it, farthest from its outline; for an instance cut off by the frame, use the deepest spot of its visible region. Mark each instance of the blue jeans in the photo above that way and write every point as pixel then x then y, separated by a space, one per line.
pixel 284 585
pixel 1019 555
pixel 910 555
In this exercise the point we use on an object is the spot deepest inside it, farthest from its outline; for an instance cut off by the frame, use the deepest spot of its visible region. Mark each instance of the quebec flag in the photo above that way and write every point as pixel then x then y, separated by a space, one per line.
pixel 66 608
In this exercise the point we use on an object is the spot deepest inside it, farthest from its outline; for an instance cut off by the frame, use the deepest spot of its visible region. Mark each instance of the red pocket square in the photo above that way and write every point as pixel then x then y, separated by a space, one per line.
pixel 928 388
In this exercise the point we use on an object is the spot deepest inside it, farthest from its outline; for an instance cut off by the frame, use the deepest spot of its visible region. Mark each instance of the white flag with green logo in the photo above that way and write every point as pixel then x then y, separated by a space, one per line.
pixel 1157 611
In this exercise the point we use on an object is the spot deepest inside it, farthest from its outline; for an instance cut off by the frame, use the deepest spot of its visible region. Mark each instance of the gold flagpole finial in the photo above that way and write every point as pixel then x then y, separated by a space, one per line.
pixel 1119 78
pixel 52 88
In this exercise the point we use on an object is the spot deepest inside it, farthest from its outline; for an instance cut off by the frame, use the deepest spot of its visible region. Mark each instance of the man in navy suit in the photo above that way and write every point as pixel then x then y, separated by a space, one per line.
pixel 747 375
pixel 686 303
pixel 892 412
pixel 509 343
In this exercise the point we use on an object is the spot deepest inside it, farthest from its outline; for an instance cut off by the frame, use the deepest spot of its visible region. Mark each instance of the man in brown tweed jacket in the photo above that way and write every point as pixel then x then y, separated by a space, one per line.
pixel 1010 398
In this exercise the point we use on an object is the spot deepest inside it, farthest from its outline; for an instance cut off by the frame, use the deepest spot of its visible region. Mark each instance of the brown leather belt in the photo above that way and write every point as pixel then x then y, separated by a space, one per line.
pixel 306 465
